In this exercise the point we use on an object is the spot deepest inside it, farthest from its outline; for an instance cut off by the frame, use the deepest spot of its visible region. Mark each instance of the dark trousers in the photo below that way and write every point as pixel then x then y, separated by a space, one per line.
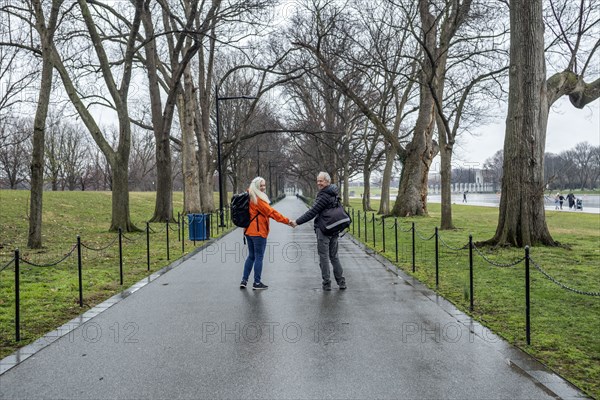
pixel 327 246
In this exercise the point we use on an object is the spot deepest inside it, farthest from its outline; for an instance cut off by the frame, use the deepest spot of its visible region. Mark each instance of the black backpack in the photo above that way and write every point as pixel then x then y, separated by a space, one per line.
pixel 240 210
pixel 334 220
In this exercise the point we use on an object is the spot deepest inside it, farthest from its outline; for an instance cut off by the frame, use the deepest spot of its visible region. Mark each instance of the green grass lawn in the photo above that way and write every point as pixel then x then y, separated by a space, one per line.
pixel 50 295
pixel 564 325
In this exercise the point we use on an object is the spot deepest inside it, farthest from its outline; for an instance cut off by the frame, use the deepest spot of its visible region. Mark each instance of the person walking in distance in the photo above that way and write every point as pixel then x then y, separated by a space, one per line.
pixel 327 246
pixel 257 232
pixel 571 200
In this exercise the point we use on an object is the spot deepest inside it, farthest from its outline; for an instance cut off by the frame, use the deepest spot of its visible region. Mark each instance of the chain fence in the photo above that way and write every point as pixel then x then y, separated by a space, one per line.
pixel 410 247
pixel 128 253
pixel 562 285
pixel 51 264
pixel 8 264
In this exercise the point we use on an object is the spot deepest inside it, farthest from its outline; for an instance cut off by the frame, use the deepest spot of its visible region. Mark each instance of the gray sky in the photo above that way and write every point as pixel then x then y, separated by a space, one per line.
pixel 567 126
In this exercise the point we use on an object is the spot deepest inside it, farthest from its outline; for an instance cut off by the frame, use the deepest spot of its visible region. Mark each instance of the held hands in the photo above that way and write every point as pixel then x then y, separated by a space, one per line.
pixel 293 223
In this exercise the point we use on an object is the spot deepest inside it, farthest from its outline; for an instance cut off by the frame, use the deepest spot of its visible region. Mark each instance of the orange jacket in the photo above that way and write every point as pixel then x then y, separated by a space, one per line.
pixel 260 225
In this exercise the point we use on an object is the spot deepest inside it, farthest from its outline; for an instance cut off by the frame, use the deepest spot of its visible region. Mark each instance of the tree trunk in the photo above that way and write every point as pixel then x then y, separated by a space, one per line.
pixel 366 198
pixel 205 163
pixel 446 175
pixel 522 219
pixel 163 208
pixel 390 157
pixel 34 239
pixel 188 152
pixel 412 191
pixel 120 195
pixel 204 101
pixel 446 150
pixel 346 191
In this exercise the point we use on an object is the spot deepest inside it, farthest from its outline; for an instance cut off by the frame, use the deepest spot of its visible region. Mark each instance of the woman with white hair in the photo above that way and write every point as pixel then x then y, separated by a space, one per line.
pixel 258 231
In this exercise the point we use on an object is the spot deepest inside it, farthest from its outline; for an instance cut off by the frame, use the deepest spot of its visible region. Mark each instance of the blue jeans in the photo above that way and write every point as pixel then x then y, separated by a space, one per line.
pixel 256 253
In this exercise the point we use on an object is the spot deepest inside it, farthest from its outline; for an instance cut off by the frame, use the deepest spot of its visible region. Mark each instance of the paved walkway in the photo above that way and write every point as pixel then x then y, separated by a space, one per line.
pixel 192 333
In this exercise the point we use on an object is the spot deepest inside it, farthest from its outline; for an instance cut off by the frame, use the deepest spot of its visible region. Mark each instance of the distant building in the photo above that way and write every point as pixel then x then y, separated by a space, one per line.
pixel 463 180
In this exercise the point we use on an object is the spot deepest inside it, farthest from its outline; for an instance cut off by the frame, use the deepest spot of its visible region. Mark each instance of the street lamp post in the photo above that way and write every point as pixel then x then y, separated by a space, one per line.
pixel 258 151
pixel 221 193
pixel 271 180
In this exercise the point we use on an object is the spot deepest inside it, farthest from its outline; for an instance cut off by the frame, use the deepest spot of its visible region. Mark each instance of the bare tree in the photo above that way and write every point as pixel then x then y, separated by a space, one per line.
pixel 468 63
pixel 43 18
pixel 522 216
pixel 417 155
pixel 492 169
pixel 15 77
pixel 15 153
pixel 595 167
pixel 384 44
pixel 183 28
pixel 74 150
pixel 372 144
pixel 52 153
pixel 118 159
pixel 234 24
pixel 96 174
pixel 142 163
pixel 581 157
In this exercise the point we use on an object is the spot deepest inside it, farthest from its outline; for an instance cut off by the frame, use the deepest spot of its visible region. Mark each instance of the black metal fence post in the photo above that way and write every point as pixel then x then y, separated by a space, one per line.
pixel 148 245
pixel 366 227
pixel 178 226
pixel 396 235
pixel 168 244
pixel 79 271
pixel 471 271
pixel 353 222
pixel 413 247
pixel 527 298
pixel 373 221
pixel 437 258
pixel 358 212
pixel 383 231
pixel 121 256
pixel 17 298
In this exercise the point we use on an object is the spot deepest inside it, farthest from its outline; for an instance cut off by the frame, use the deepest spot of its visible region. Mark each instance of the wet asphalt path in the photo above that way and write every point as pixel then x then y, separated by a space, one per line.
pixel 192 333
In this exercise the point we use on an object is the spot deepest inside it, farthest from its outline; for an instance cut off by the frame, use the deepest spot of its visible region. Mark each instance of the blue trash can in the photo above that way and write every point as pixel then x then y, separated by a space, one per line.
pixel 199 226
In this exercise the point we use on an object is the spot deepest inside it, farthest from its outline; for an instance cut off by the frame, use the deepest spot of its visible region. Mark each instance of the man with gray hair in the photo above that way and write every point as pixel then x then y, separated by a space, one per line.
pixel 327 246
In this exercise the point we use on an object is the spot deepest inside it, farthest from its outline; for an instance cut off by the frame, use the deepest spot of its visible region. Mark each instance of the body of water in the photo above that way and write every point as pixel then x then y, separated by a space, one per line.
pixel 591 202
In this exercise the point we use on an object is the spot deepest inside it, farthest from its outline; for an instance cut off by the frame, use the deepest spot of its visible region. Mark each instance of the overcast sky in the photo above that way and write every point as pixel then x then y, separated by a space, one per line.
pixel 567 126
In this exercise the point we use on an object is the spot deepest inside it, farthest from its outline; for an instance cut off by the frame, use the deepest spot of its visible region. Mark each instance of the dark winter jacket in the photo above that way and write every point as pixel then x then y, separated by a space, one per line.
pixel 326 198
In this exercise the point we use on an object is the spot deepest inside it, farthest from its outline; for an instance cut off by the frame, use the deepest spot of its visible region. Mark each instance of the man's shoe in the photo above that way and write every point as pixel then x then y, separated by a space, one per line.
pixel 327 287
pixel 342 285
pixel 243 284
pixel 259 286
